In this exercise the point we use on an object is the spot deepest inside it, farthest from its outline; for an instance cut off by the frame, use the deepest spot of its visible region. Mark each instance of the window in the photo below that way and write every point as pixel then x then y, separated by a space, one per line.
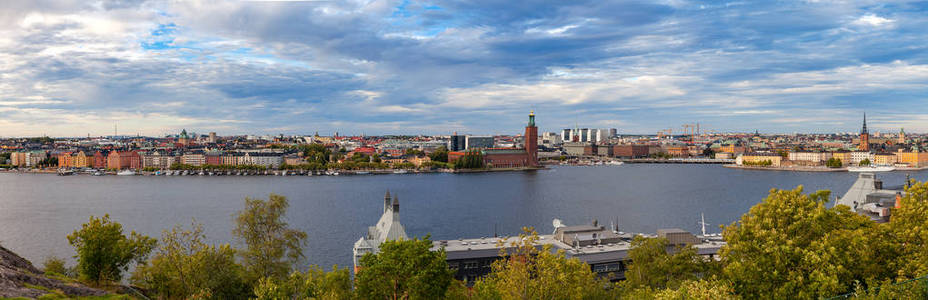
pixel 471 265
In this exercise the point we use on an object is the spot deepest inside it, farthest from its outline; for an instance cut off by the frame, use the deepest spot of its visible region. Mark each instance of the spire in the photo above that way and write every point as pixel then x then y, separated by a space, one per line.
pixel 386 202
pixel 864 129
pixel 396 204
pixel 531 119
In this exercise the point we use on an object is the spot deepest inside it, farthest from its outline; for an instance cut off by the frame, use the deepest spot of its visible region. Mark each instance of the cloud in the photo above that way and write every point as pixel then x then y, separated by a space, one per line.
pixel 471 66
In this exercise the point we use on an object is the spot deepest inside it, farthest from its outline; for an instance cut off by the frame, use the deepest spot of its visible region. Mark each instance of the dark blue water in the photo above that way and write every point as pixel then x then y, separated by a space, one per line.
pixel 37 212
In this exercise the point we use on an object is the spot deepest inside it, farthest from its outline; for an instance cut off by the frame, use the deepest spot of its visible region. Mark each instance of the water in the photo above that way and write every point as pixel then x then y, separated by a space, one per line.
pixel 38 211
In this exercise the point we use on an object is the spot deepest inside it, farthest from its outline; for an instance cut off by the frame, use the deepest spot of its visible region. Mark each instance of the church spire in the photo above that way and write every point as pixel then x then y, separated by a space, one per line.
pixel 386 202
pixel 864 129
pixel 531 119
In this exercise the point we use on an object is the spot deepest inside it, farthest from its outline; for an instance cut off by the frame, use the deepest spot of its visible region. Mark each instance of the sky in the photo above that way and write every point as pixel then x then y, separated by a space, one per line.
pixel 83 67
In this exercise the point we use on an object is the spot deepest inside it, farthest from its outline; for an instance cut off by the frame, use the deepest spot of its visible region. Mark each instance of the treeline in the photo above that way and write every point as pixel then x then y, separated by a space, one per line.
pixel 789 246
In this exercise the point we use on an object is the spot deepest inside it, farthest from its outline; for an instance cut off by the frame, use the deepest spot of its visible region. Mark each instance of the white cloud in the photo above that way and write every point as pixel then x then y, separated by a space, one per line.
pixel 873 20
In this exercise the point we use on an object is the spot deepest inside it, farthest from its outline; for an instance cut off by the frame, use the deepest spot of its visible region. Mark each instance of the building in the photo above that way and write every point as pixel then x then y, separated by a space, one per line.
pixel 843 156
pixel 193 159
pixel 864 143
pixel 81 160
pixel 99 160
pixel 884 159
pixel 760 158
pixel 630 151
pixel 123 160
pixel 531 141
pixel 901 139
pixel 28 158
pixel 64 160
pixel 858 156
pixel 479 142
pixel 575 148
pixel 212 138
pixel 808 158
pixel 268 160
pixel 457 142
pixel 388 228
pixel 157 159
pixel 868 197
pixel 912 158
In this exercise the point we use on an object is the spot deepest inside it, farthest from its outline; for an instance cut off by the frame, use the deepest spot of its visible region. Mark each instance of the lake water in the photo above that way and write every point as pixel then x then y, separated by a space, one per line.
pixel 38 211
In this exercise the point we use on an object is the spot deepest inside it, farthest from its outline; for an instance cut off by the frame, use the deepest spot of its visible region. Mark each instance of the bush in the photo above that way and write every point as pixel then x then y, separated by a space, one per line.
pixel 56 265
pixel 404 269
pixel 104 252
pixel 185 266
pixel 313 284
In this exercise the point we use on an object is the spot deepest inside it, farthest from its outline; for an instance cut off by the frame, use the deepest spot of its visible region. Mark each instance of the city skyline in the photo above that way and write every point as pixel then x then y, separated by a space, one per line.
pixel 382 67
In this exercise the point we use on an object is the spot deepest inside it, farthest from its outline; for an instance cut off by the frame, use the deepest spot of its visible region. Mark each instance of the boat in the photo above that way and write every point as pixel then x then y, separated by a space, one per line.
pixel 98 173
pixel 615 163
pixel 400 171
pixel 126 173
pixel 362 173
pixel 871 169
pixel 63 172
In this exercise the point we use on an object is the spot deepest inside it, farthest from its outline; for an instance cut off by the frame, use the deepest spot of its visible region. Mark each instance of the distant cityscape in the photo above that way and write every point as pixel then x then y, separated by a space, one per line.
pixel 528 150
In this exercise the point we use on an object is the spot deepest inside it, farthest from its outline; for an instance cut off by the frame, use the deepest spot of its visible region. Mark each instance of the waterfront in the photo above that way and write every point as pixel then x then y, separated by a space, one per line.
pixel 37 211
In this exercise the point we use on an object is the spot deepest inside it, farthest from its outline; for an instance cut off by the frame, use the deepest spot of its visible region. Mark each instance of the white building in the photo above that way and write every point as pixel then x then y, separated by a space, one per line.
pixel 858 156
pixel 388 228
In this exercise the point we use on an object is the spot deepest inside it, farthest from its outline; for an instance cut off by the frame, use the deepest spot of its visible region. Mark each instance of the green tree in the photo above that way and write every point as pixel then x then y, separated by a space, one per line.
pixel 104 252
pixel 313 284
pixel 701 289
pixel 791 246
pixel 404 269
pixel 650 264
pixel 186 266
pixel 533 273
pixel 56 266
pixel 864 163
pixel 272 248
pixel 440 154
pixel 834 163
pixel 908 231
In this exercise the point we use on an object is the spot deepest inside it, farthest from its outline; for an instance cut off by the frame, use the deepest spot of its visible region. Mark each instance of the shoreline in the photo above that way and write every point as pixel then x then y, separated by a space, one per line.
pixel 814 169
pixel 290 172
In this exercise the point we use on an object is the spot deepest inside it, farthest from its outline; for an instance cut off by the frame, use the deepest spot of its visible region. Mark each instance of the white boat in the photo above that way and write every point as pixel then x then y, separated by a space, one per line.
pixel 615 163
pixel 98 173
pixel 400 171
pixel 870 169
pixel 126 173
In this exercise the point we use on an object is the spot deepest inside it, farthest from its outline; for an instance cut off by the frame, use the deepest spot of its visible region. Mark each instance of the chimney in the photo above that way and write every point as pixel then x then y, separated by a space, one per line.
pixel 898 199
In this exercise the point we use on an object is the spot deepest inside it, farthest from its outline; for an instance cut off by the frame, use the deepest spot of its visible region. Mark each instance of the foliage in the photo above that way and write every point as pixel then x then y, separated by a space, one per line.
pixel 708 153
pixel 440 154
pixel 271 246
pixel 907 231
pixel 104 252
pixel 56 265
pixel 313 284
pixel 414 152
pixel 910 289
pixel 650 264
pixel 532 273
pixel 316 153
pixel 404 269
pixel 434 164
pixel 701 289
pixel 472 159
pixel 763 163
pixel 834 163
pixel 864 163
pixel 791 246
pixel 186 266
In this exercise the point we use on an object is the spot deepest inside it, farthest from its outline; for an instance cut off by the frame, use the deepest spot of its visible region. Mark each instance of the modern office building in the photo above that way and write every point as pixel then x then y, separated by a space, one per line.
pixel 479 142
pixel 457 142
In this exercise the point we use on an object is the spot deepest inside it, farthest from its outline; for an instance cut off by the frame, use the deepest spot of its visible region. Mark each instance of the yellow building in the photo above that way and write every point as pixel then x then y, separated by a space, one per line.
pixel 64 160
pixel 845 157
pixel 913 159
pixel 884 159
pixel 760 159
pixel 81 160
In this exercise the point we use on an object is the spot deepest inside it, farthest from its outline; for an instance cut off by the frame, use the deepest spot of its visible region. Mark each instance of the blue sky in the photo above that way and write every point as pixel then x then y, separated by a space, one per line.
pixel 72 68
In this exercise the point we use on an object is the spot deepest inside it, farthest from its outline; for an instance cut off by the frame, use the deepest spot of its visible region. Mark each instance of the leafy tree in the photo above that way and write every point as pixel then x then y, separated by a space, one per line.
pixel 864 163
pixel 834 163
pixel 404 269
pixel 185 266
pixel 104 252
pixel 907 230
pixel 272 248
pixel 701 289
pixel 533 273
pixel 650 264
pixel 472 159
pixel 440 154
pixel 56 265
pixel 708 153
pixel 313 284
pixel 791 246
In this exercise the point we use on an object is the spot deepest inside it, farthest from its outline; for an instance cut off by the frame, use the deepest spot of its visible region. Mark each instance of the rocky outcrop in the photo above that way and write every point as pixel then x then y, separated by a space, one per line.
pixel 16 272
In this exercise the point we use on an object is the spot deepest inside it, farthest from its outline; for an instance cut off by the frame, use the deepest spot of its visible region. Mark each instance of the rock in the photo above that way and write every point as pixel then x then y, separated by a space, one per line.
pixel 16 272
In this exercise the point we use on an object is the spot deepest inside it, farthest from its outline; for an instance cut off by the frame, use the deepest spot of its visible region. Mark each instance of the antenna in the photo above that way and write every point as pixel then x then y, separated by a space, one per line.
pixel 703 223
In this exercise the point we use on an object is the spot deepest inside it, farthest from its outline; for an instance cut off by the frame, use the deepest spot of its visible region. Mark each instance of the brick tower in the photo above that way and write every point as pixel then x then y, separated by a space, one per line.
pixel 531 140
pixel 864 137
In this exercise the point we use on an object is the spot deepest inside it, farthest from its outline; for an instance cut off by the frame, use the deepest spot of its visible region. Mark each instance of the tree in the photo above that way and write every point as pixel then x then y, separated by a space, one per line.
pixel 708 153
pixel 702 289
pixel 56 266
pixel 650 264
pixel 440 154
pixel 186 266
pixel 834 163
pixel 272 248
pixel 864 163
pixel 908 231
pixel 791 246
pixel 313 284
pixel 104 252
pixel 533 273
pixel 404 269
